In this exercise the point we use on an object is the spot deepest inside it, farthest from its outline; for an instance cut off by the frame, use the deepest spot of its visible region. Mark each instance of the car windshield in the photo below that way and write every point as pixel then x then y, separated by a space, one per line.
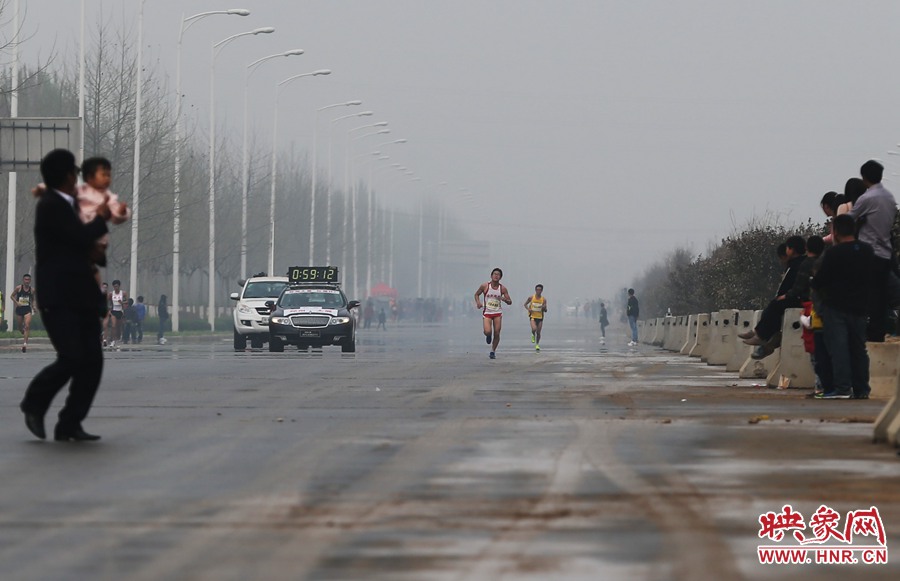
pixel 312 298
pixel 264 290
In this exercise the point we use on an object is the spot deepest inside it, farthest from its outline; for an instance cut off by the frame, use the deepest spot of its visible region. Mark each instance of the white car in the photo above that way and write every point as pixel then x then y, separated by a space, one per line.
pixel 251 315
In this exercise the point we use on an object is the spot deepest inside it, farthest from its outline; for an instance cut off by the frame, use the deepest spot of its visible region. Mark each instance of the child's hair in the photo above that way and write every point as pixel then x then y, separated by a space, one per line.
pixel 141 298
pixel 130 302
pixel 91 164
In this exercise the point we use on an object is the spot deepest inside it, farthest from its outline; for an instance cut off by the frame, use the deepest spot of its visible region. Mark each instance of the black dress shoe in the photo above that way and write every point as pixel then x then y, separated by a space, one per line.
pixel 76 435
pixel 35 425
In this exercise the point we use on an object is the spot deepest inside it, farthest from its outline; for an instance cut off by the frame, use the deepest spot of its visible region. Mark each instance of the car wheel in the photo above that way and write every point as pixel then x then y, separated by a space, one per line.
pixel 348 347
pixel 240 341
pixel 256 342
pixel 276 345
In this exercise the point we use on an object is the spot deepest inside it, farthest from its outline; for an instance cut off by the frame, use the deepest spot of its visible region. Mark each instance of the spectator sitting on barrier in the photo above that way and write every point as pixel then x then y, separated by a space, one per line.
pixel 843 282
pixel 815 246
pixel 874 213
pixel 793 290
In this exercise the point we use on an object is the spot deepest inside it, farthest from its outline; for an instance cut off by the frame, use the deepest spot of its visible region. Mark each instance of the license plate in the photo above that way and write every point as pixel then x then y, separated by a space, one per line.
pixel 264 321
pixel 309 333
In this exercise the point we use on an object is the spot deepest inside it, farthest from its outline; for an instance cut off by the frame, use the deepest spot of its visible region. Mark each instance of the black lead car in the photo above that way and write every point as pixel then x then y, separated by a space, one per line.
pixel 312 311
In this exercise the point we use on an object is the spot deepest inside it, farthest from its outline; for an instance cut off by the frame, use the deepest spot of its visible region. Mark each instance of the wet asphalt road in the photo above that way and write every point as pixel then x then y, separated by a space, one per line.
pixel 418 458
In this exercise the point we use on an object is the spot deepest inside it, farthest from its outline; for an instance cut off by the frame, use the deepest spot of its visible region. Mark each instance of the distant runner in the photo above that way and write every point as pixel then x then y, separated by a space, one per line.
pixel 536 305
pixel 23 297
pixel 492 309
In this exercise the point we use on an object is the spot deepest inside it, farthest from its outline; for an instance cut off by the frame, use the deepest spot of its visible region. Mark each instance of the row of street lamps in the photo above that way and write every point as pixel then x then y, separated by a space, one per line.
pixel 186 23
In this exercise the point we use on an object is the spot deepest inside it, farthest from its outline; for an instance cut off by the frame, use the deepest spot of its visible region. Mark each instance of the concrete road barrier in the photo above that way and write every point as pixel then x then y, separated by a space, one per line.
pixel 679 335
pixel 713 324
pixel 649 331
pixel 741 352
pixel 690 335
pixel 884 369
pixel 887 425
pixel 758 369
pixel 721 341
pixel 702 341
pixel 794 363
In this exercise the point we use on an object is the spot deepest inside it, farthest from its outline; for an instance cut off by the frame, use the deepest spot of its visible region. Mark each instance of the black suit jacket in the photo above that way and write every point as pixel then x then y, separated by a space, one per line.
pixel 64 273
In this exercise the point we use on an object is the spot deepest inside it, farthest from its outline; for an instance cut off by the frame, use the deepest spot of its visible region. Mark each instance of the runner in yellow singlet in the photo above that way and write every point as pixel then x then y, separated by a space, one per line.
pixel 536 306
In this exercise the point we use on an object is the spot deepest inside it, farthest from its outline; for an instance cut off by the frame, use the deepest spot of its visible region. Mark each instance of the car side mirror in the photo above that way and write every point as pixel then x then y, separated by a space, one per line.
pixel 271 305
pixel 235 296
pixel 352 304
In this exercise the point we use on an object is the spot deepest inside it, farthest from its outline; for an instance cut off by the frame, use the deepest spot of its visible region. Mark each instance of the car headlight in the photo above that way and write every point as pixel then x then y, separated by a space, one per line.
pixel 280 320
pixel 245 309
pixel 340 320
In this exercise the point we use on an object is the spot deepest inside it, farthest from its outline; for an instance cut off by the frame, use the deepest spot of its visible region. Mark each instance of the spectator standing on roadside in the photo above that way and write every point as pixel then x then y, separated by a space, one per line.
pixel 163 313
pixel 140 310
pixel 874 213
pixel 130 319
pixel 843 281
pixel 632 311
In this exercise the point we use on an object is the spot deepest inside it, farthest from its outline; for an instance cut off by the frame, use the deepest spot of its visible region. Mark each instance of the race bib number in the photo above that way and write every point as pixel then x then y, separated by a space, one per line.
pixel 493 303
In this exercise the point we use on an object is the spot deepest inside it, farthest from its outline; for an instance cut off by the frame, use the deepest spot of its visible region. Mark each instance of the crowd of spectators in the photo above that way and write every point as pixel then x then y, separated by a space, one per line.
pixel 842 282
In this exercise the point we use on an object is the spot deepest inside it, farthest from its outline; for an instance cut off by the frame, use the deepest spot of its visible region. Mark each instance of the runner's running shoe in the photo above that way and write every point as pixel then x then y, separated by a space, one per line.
pixel 537 347
pixel 491 355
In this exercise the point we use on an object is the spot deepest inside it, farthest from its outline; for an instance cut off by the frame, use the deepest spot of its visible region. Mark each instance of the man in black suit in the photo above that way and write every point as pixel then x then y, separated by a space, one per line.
pixel 69 301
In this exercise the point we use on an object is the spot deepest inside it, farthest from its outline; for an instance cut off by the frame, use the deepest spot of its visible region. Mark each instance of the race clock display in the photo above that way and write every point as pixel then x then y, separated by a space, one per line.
pixel 313 274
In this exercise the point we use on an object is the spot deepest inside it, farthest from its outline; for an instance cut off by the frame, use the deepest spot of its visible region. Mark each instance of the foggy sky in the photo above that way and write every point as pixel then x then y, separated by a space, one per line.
pixel 595 136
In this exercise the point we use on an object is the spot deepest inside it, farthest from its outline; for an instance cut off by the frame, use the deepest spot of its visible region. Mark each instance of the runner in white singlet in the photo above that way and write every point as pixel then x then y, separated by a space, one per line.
pixel 494 294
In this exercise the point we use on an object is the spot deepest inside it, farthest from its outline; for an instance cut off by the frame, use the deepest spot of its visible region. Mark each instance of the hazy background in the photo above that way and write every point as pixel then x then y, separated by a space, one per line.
pixel 594 136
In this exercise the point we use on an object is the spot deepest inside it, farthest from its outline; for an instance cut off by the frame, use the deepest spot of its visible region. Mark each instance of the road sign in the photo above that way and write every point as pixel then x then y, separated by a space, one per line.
pixel 25 140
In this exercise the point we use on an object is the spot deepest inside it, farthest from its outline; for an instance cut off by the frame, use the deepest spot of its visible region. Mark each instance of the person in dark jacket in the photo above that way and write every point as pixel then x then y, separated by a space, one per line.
pixel 69 302
pixel 163 313
pixel 792 292
pixel 632 311
pixel 843 283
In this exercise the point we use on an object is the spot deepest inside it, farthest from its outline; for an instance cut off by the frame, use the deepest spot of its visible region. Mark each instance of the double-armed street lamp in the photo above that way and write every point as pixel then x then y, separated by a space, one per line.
pixel 215 50
pixel 245 178
pixel 315 173
pixel 186 23
pixel 371 217
pixel 328 188
pixel 278 86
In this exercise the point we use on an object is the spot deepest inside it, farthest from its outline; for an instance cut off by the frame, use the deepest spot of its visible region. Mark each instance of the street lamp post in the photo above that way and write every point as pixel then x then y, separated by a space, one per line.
pixel 328 187
pixel 136 177
pixel 315 173
pixel 216 47
pixel 245 177
pixel 371 218
pixel 275 161
pixel 176 204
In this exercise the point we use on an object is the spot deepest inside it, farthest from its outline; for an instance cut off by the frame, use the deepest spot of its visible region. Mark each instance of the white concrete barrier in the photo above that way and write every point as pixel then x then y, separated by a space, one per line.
pixel 884 369
pixel 668 331
pixel 741 352
pixel 722 338
pixel 713 324
pixel 887 425
pixel 758 369
pixel 691 335
pixel 701 343
pixel 679 334
pixel 660 331
pixel 794 363
pixel 649 331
